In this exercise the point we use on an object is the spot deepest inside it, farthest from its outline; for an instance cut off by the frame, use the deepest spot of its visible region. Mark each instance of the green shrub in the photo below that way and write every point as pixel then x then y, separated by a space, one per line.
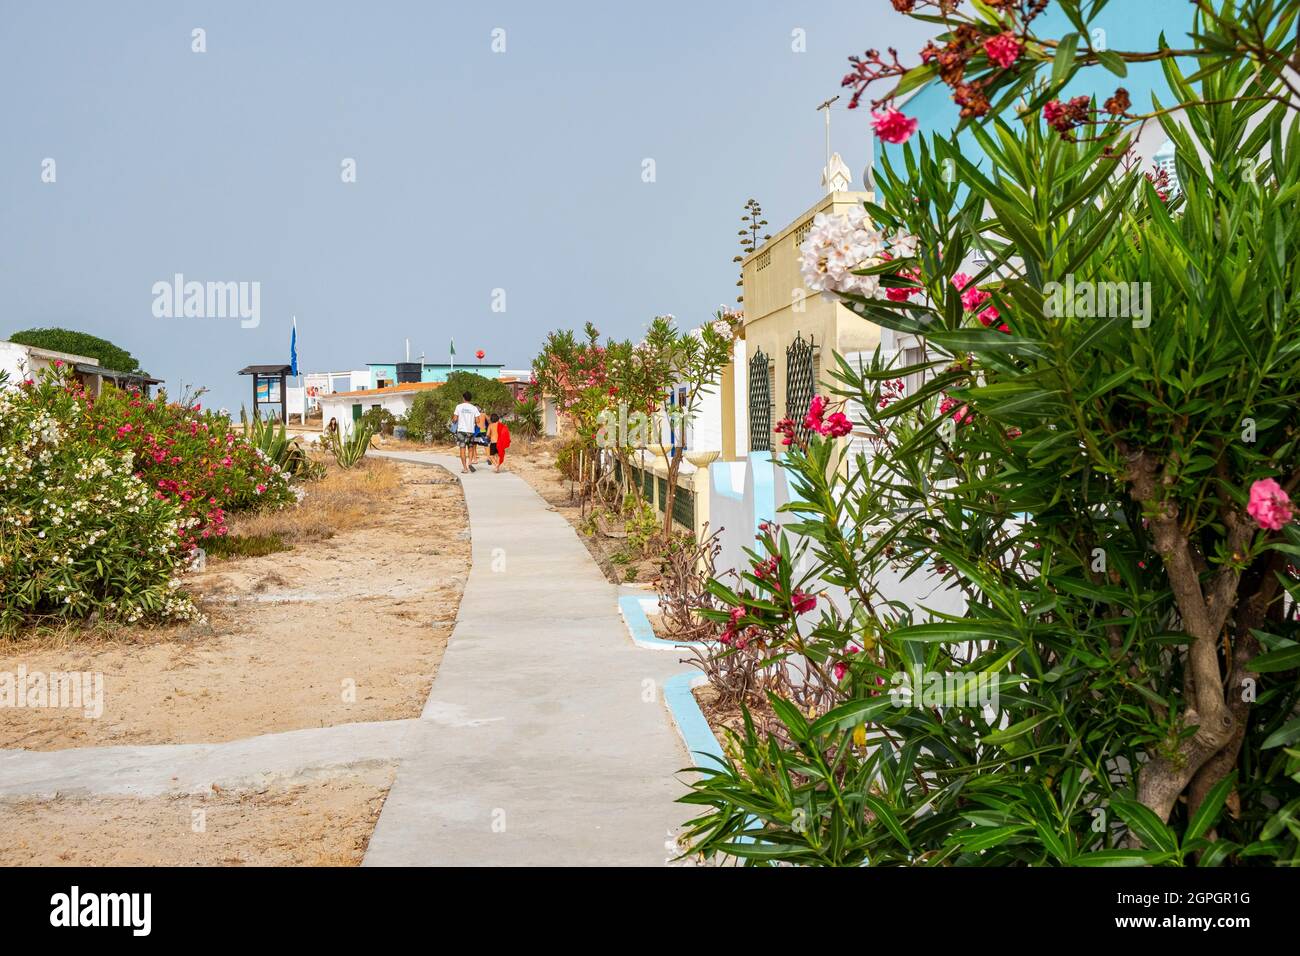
pixel 79 343
pixel 380 421
pixel 422 421
pixel 80 534
pixel 642 524
pixel 526 419
pixel 489 394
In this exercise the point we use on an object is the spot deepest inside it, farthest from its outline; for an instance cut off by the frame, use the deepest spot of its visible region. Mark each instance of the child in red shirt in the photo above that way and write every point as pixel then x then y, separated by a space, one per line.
pixel 499 433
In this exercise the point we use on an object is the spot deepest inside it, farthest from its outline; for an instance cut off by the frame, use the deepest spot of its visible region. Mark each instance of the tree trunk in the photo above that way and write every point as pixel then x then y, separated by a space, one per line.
pixel 674 464
pixel 1204 614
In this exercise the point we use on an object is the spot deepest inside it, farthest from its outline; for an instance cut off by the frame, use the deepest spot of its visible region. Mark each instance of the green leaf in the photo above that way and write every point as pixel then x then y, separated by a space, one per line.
pixel 1120 858
pixel 1113 62
pixel 1284 736
pixel 1285 659
pixel 1063 63
pixel 1208 812
pixel 1018 729
pixel 988 340
pixel 848 715
pixel 951 631
pixel 976 839
pixel 1142 820
pixel 886 816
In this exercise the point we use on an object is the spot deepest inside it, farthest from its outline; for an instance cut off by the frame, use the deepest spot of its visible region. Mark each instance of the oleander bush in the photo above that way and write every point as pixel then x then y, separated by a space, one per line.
pixel 1108 490
pixel 80 533
pixel 198 459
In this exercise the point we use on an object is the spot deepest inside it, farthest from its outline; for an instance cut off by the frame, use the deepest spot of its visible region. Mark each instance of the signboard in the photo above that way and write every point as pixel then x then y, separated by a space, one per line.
pixel 268 390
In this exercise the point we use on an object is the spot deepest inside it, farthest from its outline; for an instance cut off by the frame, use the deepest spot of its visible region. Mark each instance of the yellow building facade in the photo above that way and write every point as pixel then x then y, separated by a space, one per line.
pixel 789 335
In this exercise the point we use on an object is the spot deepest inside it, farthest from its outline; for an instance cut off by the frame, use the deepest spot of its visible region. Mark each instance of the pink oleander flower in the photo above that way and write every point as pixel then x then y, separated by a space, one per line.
pixel 1269 505
pixel 837 425
pixel 261 488
pixel 892 126
pixel 973 298
pixel 803 602
pixel 1003 49
pixel 125 430
pixel 961 414
pixel 813 420
pixel 1053 113
pixel 991 315
pixel 842 667
pixel 960 281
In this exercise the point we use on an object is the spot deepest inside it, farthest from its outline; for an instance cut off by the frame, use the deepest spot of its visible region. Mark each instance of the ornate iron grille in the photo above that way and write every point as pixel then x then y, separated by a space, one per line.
pixel 760 404
pixel 800 385
pixel 684 507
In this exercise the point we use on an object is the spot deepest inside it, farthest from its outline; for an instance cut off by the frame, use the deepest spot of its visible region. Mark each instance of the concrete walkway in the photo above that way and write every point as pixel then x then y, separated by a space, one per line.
pixel 545 739
pixel 155 769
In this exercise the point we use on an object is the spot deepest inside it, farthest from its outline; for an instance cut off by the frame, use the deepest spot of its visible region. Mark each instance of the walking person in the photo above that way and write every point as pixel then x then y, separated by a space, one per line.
pixel 466 418
pixel 480 435
pixel 499 434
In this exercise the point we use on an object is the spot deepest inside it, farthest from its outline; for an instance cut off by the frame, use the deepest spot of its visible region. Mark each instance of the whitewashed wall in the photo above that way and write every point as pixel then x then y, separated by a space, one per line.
pixel 340 407
pixel 743 494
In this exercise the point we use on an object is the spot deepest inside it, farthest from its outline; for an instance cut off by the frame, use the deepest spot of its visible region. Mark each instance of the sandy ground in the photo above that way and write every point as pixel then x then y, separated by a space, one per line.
pixel 312 823
pixel 350 628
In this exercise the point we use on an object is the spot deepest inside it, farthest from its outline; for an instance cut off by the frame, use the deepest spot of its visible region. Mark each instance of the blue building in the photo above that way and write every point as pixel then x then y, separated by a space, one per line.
pixel 384 374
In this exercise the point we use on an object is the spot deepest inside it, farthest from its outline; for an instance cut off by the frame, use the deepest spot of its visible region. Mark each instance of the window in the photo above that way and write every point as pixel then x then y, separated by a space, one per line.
pixel 912 356
pixel 1164 160
pixel 677 407
pixel 801 233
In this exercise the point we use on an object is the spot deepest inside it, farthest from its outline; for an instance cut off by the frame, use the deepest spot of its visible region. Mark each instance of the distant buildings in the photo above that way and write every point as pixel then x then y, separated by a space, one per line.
pixel 384 374
pixel 346 408
pixel 392 387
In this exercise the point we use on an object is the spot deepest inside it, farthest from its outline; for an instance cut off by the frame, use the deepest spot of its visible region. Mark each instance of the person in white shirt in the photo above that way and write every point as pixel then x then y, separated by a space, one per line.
pixel 464 416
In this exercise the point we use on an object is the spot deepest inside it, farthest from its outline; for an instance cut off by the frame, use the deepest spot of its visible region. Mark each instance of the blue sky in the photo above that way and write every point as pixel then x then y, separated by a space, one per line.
pixel 476 170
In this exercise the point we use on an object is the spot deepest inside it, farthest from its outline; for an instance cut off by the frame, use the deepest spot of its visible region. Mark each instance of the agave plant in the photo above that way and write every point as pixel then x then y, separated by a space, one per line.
pixel 269 436
pixel 348 451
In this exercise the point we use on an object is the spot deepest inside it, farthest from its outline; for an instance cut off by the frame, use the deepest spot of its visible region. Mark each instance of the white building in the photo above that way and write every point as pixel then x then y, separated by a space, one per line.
pixel 22 362
pixel 346 408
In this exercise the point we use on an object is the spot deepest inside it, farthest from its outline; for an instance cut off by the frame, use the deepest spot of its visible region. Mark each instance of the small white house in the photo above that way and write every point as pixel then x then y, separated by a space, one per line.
pixel 346 408
pixel 22 362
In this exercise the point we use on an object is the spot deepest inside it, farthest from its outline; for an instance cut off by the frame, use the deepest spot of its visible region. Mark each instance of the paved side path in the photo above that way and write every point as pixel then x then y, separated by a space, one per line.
pixel 155 769
pixel 545 739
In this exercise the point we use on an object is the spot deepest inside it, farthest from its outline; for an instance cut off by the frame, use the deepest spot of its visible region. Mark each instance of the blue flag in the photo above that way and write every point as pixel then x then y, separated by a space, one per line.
pixel 293 348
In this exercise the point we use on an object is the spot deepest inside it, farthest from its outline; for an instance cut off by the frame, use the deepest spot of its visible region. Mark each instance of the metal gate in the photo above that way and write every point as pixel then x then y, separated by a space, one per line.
pixel 760 404
pixel 800 385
